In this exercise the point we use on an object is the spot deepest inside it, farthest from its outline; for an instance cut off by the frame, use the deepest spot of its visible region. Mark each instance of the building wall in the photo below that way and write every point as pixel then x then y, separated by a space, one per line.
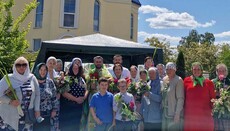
pixel 114 19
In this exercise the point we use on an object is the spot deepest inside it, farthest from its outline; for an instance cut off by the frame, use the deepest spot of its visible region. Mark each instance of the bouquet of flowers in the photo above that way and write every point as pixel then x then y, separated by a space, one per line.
pixel 92 80
pixel 221 106
pixel 127 109
pixel 62 83
pixel 142 88
pixel 113 86
pixel 10 92
pixel 132 89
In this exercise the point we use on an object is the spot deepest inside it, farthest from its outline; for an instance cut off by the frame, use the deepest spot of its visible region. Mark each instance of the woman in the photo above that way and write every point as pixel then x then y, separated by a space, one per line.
pixel 198 107
pixel 117 69
pixel 51 63
pixel 161 70
pixel 71 103
pixel 134 74
pixel 151 103
pixel 48 103
pixel 173 99
pixel 222 73
pixel 27 91
pixel 221 81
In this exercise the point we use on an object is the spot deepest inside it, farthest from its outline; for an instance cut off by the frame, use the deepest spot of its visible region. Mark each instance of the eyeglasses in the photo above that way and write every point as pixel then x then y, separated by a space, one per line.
pixel 24 65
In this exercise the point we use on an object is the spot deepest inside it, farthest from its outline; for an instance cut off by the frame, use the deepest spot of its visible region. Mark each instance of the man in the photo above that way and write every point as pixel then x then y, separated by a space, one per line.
pixel 117 59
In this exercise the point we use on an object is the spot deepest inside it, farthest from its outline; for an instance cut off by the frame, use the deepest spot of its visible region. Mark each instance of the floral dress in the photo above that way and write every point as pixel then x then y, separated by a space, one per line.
pixel 48 103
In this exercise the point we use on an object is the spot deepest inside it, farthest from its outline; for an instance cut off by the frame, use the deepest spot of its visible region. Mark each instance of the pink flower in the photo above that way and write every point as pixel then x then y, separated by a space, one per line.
pixel 115 81
pixel 221 77
pixel 131 105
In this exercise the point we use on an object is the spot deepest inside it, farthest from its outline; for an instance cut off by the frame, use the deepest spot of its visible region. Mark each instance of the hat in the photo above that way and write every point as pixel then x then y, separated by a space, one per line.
pixel 171 65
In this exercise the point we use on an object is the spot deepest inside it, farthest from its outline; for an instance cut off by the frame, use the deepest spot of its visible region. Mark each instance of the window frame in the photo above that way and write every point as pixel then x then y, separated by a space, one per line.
pixel 94 18
pixel 39 13
pixel 76 14
pixel 34 43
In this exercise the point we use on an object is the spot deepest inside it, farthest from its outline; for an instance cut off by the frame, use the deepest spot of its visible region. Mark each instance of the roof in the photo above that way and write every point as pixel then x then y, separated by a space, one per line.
pixel 89 46
pixel 137 2
pixel 99 40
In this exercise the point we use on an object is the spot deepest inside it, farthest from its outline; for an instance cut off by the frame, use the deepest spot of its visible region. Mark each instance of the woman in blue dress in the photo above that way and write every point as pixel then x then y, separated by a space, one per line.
pixel 72 100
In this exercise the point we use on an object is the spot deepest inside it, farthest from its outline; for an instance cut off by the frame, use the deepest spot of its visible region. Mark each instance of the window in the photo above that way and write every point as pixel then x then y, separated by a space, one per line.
pixel 131 26
pixel 39 14
pixel 96 16
pixel 37 44
pixel 69 13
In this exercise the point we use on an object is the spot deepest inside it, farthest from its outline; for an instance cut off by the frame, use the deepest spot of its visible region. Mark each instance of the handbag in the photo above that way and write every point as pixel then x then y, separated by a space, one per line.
pixel 30 116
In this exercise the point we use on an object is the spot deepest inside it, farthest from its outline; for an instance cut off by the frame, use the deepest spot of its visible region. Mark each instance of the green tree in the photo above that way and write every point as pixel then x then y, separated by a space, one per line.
pixel 195 37
pixel 165 46
pixel 180 64
pixel 12 36
pixel 207 38
pixel 204 53
pixel 224 55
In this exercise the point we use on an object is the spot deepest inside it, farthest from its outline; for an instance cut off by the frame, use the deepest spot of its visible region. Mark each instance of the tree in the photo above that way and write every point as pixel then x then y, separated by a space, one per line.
pixel 224 55
pixel 165 46
pixel 207 38
pixel 204 53
pixel 195 37
pixel 12 35
pixel 180 64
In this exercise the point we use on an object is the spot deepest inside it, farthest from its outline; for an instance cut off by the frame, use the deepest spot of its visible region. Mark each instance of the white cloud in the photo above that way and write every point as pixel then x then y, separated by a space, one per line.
pixel 164 18
pixel 223 34
pixel 172 39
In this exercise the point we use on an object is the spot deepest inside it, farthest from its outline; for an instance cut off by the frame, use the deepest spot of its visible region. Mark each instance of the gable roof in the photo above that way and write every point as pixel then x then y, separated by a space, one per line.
pixel 86 47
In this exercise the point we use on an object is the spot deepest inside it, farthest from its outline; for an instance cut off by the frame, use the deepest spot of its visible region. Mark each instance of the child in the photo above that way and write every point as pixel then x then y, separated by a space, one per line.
pixel 123 123
pixel 101 106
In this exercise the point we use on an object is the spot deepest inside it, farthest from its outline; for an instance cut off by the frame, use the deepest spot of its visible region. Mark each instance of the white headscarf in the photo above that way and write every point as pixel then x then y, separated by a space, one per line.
pixel 27 74
pixel 16 79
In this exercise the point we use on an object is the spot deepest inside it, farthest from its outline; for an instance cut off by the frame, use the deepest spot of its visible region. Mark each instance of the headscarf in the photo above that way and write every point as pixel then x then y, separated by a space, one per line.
pixel 200 79
pixel 71 66
pixel 36 72
pixel 27 74
pixel 156 82
pixel 51 58
pixel 55 75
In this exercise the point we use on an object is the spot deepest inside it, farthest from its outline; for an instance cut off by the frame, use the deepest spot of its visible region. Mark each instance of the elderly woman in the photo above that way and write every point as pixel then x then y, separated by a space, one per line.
pixel 72 101
pixel 59 66
pixel 161 70
pixel 48 103
pixel 151 103
pixel 198 107
pixel 173 99
pixel 222 73
pixel 26 87
pixel 221 81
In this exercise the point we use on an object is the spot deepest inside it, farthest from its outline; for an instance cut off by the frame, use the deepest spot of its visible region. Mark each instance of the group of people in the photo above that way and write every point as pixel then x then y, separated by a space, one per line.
pixel 108 98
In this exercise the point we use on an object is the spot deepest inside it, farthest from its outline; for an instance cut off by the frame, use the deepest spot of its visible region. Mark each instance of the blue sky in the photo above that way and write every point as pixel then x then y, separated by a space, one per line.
pixel 173 19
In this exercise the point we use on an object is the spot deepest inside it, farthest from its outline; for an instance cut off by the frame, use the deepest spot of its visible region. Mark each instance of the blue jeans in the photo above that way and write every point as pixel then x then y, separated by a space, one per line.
pixel 103 127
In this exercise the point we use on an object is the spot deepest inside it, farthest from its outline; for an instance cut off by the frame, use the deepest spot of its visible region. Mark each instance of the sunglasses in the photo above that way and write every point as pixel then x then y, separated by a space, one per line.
pixel 21 65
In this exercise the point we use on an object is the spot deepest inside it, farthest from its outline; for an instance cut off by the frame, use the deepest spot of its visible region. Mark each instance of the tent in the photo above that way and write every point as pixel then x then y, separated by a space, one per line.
pixel 89 46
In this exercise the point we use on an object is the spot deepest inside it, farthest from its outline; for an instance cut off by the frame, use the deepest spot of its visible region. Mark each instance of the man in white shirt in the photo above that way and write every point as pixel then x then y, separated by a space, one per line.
pixel 117 59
